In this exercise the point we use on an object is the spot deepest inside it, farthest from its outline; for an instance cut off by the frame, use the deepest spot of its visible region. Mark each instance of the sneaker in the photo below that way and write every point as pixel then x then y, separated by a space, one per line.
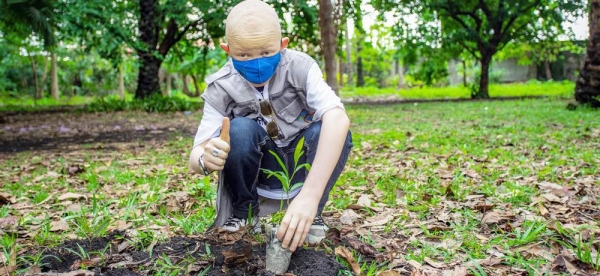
pixel 317 231
pixel 234 224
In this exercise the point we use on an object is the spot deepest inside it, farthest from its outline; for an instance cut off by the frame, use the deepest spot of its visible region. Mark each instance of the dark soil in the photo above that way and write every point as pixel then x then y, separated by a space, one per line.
pixel 70 131
pixel 116 255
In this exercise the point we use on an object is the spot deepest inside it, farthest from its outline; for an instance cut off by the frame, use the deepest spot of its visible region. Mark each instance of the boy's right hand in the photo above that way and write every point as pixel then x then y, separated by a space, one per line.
pixel 217 149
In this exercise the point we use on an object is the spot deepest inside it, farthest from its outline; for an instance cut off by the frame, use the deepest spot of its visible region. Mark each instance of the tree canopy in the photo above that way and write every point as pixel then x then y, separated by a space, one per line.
pixel 480 27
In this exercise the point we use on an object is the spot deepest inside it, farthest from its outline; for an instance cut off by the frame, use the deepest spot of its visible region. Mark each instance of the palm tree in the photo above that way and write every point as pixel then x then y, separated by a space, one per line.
pixel 25 17
pixel 587 88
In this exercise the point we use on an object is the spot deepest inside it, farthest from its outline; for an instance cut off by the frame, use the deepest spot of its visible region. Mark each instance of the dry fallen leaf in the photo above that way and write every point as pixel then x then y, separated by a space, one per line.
pixel 238 256
pixel 6 198
pixel 562 261
pixel 433 263
pixel 59 226
pixel 366 146
pixel 348 217
pixel 389 273
pixel 364 201
pixel 363 248
pixel 496 217
pixel 347 255
pixel 69 196
pixel 7 270
pixel 490 261
pixel 415 264
pixel 460 271
pixel 381 219
pixel 8 222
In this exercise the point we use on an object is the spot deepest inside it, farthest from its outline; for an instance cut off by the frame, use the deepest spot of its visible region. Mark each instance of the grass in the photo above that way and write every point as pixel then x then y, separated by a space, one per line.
pixel 432 162
pixel 530 89
pixel 19 103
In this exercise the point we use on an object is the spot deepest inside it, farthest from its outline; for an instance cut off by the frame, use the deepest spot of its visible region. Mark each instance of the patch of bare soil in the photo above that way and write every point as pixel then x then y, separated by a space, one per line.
pixel 70 131
pixel 117 254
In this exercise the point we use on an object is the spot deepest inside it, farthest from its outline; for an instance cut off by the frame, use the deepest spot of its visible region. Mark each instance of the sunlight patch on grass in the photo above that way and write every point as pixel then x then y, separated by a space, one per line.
pixel 533 88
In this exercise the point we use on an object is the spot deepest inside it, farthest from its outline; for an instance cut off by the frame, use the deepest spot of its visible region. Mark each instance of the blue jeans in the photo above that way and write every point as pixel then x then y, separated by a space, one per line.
pixel 249 152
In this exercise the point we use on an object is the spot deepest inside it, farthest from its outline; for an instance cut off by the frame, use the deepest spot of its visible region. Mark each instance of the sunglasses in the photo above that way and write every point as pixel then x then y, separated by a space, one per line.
pixel 267 110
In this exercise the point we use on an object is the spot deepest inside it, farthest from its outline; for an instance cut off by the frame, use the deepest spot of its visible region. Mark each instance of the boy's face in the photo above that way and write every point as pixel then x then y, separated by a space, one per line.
pixel 252 47
pixel 253 31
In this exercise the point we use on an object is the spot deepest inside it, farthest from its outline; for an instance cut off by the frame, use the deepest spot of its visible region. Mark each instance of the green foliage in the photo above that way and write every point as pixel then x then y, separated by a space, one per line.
pixel 587 252
pixel 479 28
pixel 154 103
pixel 532 88
pixel 26 17
pixel 304 25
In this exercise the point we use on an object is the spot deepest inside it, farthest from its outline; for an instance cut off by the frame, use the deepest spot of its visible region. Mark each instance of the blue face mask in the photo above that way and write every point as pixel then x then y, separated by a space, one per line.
pixel 258 70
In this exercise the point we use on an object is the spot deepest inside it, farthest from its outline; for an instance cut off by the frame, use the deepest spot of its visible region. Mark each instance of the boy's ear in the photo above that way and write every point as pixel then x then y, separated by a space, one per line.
pixel 225 47
pixel 284 43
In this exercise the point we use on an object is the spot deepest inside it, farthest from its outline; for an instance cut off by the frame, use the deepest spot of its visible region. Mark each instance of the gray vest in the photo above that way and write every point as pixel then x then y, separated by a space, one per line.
pixel 233 96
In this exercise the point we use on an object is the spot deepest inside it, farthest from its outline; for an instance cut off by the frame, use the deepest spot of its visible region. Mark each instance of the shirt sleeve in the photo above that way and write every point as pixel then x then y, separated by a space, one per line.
pixel 320 96
pixel 210 125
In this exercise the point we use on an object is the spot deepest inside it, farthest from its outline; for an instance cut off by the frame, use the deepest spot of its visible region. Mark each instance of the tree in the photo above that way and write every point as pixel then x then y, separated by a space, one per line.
pixel 328 41
pixel 37 17
pixel 587 88
pixel 29 16
pixel 161 25
pixel 171 22
pixel 481 27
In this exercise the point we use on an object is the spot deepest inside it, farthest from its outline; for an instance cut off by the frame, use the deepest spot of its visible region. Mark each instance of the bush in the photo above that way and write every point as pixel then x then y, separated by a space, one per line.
pixel 154 103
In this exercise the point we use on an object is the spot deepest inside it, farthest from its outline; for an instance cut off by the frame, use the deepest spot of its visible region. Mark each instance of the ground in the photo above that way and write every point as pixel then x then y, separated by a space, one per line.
pixel 206 255
pixel 483 187
pixel 60 132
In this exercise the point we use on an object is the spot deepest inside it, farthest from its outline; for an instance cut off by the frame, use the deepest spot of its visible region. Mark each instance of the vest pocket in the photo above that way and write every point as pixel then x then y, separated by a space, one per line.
pixel 291 112
pixel 245 109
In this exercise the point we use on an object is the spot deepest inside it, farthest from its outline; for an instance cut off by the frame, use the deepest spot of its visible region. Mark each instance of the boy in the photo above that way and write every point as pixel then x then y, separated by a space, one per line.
pixel 273 97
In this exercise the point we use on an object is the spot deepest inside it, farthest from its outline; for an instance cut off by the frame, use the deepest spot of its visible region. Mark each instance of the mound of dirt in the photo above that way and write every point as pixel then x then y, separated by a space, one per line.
pixel 117 254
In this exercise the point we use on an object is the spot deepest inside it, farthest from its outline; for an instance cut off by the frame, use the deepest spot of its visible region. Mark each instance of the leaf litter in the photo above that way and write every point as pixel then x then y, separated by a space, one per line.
pixel 380 227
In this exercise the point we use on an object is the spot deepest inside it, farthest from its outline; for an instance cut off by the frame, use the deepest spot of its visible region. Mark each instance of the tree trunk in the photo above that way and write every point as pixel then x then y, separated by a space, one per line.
pixel 548 70
pixel 196 87
pixel 328 41
pixel 464 64
pixel 587 88
pixel 400 70
pixel 340 70
pixel 148 28
pixel 482 92
pixel 168 81
pixel 42 83
pixel 54 76
pixel 185 89
pixel 349 67
pixel 360 78
pixel 35 79
pixel 121 88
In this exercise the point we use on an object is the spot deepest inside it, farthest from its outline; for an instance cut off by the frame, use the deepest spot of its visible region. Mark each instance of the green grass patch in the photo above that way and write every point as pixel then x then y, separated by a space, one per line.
pixel 529 89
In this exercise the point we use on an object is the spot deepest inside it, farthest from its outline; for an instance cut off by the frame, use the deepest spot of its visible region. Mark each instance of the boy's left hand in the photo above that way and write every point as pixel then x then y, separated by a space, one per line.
pixel 297 222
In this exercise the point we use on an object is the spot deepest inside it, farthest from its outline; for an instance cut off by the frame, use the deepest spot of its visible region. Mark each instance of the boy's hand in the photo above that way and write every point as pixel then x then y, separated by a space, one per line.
pixel 297 222
pixel 217 149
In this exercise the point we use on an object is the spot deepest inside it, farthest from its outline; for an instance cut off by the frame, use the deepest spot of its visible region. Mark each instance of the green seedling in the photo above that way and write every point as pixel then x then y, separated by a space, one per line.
pixel 36 259
pixel 285 178
pixel 164 266
pixel 44 236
